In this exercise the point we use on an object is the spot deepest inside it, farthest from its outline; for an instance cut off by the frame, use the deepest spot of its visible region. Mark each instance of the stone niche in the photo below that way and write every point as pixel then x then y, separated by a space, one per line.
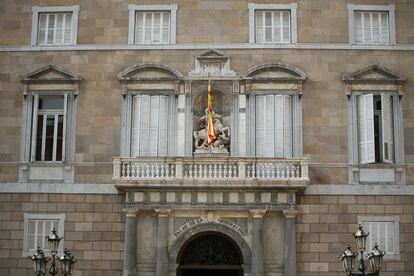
pixel 221 105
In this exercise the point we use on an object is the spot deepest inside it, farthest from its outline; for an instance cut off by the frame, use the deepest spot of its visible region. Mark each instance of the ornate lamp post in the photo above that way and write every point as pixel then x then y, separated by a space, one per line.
pixel 348 257
pixel 67 261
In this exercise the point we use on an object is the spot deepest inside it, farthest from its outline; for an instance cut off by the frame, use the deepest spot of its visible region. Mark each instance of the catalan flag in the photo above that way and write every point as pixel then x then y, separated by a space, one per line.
pixel 210 126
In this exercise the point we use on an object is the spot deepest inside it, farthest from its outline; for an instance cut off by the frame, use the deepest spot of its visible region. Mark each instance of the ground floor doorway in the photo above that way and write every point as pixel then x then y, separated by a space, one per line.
pixel 210 254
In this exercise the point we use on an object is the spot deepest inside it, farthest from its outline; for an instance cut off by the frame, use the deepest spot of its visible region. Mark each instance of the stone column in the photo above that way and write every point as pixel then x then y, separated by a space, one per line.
pixel 162 242
pixel 290 242
pixel 130 243
pixel 257 242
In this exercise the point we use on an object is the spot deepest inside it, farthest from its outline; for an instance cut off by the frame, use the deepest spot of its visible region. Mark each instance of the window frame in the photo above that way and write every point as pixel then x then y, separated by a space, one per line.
pixel 133 9
pixel 396 221
pixel 128 119
pixel 28 216
pixel 292 8
pixel 296 117
pixel 36 10
pixel 352 8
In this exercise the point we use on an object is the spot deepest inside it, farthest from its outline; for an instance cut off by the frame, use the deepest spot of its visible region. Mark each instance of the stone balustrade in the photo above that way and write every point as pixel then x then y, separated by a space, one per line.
pixel 209 168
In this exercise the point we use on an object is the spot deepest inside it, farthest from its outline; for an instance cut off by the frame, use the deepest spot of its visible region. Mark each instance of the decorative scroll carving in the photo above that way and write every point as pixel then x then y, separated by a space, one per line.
pixel 212 63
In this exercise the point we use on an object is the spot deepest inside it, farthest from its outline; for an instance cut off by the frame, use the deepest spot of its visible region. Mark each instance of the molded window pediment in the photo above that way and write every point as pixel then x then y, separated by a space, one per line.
pixel 50 73
pixel 374 73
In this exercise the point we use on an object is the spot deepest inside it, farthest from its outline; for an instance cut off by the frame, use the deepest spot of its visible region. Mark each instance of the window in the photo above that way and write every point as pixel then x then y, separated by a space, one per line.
pixel 37 227
pixel 152 24
pixel 375 128
pixel 371 24
pixel 49 127
pixel 273 125
pixel 383 231
pixel 272 23
pixel 272 27
pixel 54 25
pixel 149 125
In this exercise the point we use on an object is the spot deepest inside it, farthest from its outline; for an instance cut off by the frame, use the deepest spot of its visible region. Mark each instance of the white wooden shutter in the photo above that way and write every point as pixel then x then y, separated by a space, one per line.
pixel 144 147
pixel 269 141
pixel 260 125
pixel 162 127
pixel 366 128
pixel 279 125
pixel 387 128
pixel 135 131
pixel 287 119
pixel 153 126
pixel 65 116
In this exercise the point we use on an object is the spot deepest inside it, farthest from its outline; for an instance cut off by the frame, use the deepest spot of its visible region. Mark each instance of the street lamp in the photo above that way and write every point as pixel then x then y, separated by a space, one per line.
pixel 39 260
pixel 348 257
pixel 67 262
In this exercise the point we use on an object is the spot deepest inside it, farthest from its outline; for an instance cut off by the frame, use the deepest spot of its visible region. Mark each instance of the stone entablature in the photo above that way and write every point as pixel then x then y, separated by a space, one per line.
pixel 204 199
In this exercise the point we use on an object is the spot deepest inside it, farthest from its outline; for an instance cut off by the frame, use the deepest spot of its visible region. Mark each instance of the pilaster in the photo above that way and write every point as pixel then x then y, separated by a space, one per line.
pixel 290 241
pixel 130 243
pixel 162 242
pixel 257 242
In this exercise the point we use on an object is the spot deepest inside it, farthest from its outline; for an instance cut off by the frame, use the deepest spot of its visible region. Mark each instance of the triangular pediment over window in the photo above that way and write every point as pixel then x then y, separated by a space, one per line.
pixel 50 73
pixel 374 73
pixel 274 72
pixel 149 72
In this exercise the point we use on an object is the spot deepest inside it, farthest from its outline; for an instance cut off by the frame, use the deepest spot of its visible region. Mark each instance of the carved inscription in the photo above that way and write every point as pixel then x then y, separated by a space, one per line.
pixel 188 225
pixel 233 226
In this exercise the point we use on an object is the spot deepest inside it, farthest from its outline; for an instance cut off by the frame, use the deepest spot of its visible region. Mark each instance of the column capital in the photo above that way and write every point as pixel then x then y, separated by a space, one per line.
pixel 163 212
pixel 130 212
pixel 257 213
pixel 290 213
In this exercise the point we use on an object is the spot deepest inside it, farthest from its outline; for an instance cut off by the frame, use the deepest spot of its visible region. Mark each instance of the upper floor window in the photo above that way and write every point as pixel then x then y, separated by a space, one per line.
pixel 54 25
pixel 272 23
pixel 274 111
pixel 48 124
pixel 49 127
pixel 375 130
pixel 152 24
pixel 273 115
pixel 37 227
pixel 375 127
pixel 371 24
pixel 149 125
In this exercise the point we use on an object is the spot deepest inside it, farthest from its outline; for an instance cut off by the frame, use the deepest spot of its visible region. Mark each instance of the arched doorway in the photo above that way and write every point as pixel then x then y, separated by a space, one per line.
pixel 210 254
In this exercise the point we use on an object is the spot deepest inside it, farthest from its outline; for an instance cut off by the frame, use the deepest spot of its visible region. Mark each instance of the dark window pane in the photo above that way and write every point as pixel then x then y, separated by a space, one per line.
pixel 51 102
pixel 39 138
pixel 50 123
pixel 59 139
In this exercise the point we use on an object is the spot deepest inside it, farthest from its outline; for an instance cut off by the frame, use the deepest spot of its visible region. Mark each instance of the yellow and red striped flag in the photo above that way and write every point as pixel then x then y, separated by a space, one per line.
pixel 211 133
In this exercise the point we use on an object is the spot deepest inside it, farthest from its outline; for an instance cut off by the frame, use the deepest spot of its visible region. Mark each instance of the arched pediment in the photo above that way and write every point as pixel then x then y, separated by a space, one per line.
pixel 374 73
pixel 274 72
pixel 142 72
pixel 50 73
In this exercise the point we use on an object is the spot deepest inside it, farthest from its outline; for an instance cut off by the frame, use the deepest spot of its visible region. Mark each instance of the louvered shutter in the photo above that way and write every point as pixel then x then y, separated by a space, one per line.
pixel 153 124
pixel 366 129
pixel 269 141
pixel 287 120
pixel 162 126
pixel 387 129
pixel 279 126
pixel 34 126
pixel 145 105
pixel 260 125
pixel 135 131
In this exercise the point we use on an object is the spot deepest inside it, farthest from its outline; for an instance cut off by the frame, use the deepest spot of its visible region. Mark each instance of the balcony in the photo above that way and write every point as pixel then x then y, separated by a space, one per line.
pixel 210 172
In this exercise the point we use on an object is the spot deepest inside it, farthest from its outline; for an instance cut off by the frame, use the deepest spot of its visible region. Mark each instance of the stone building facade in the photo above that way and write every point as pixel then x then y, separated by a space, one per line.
pixel 100 102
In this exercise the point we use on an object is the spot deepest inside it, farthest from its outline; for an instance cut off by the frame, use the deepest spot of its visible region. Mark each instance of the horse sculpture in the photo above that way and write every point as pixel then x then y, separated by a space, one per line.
pixel 222 132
